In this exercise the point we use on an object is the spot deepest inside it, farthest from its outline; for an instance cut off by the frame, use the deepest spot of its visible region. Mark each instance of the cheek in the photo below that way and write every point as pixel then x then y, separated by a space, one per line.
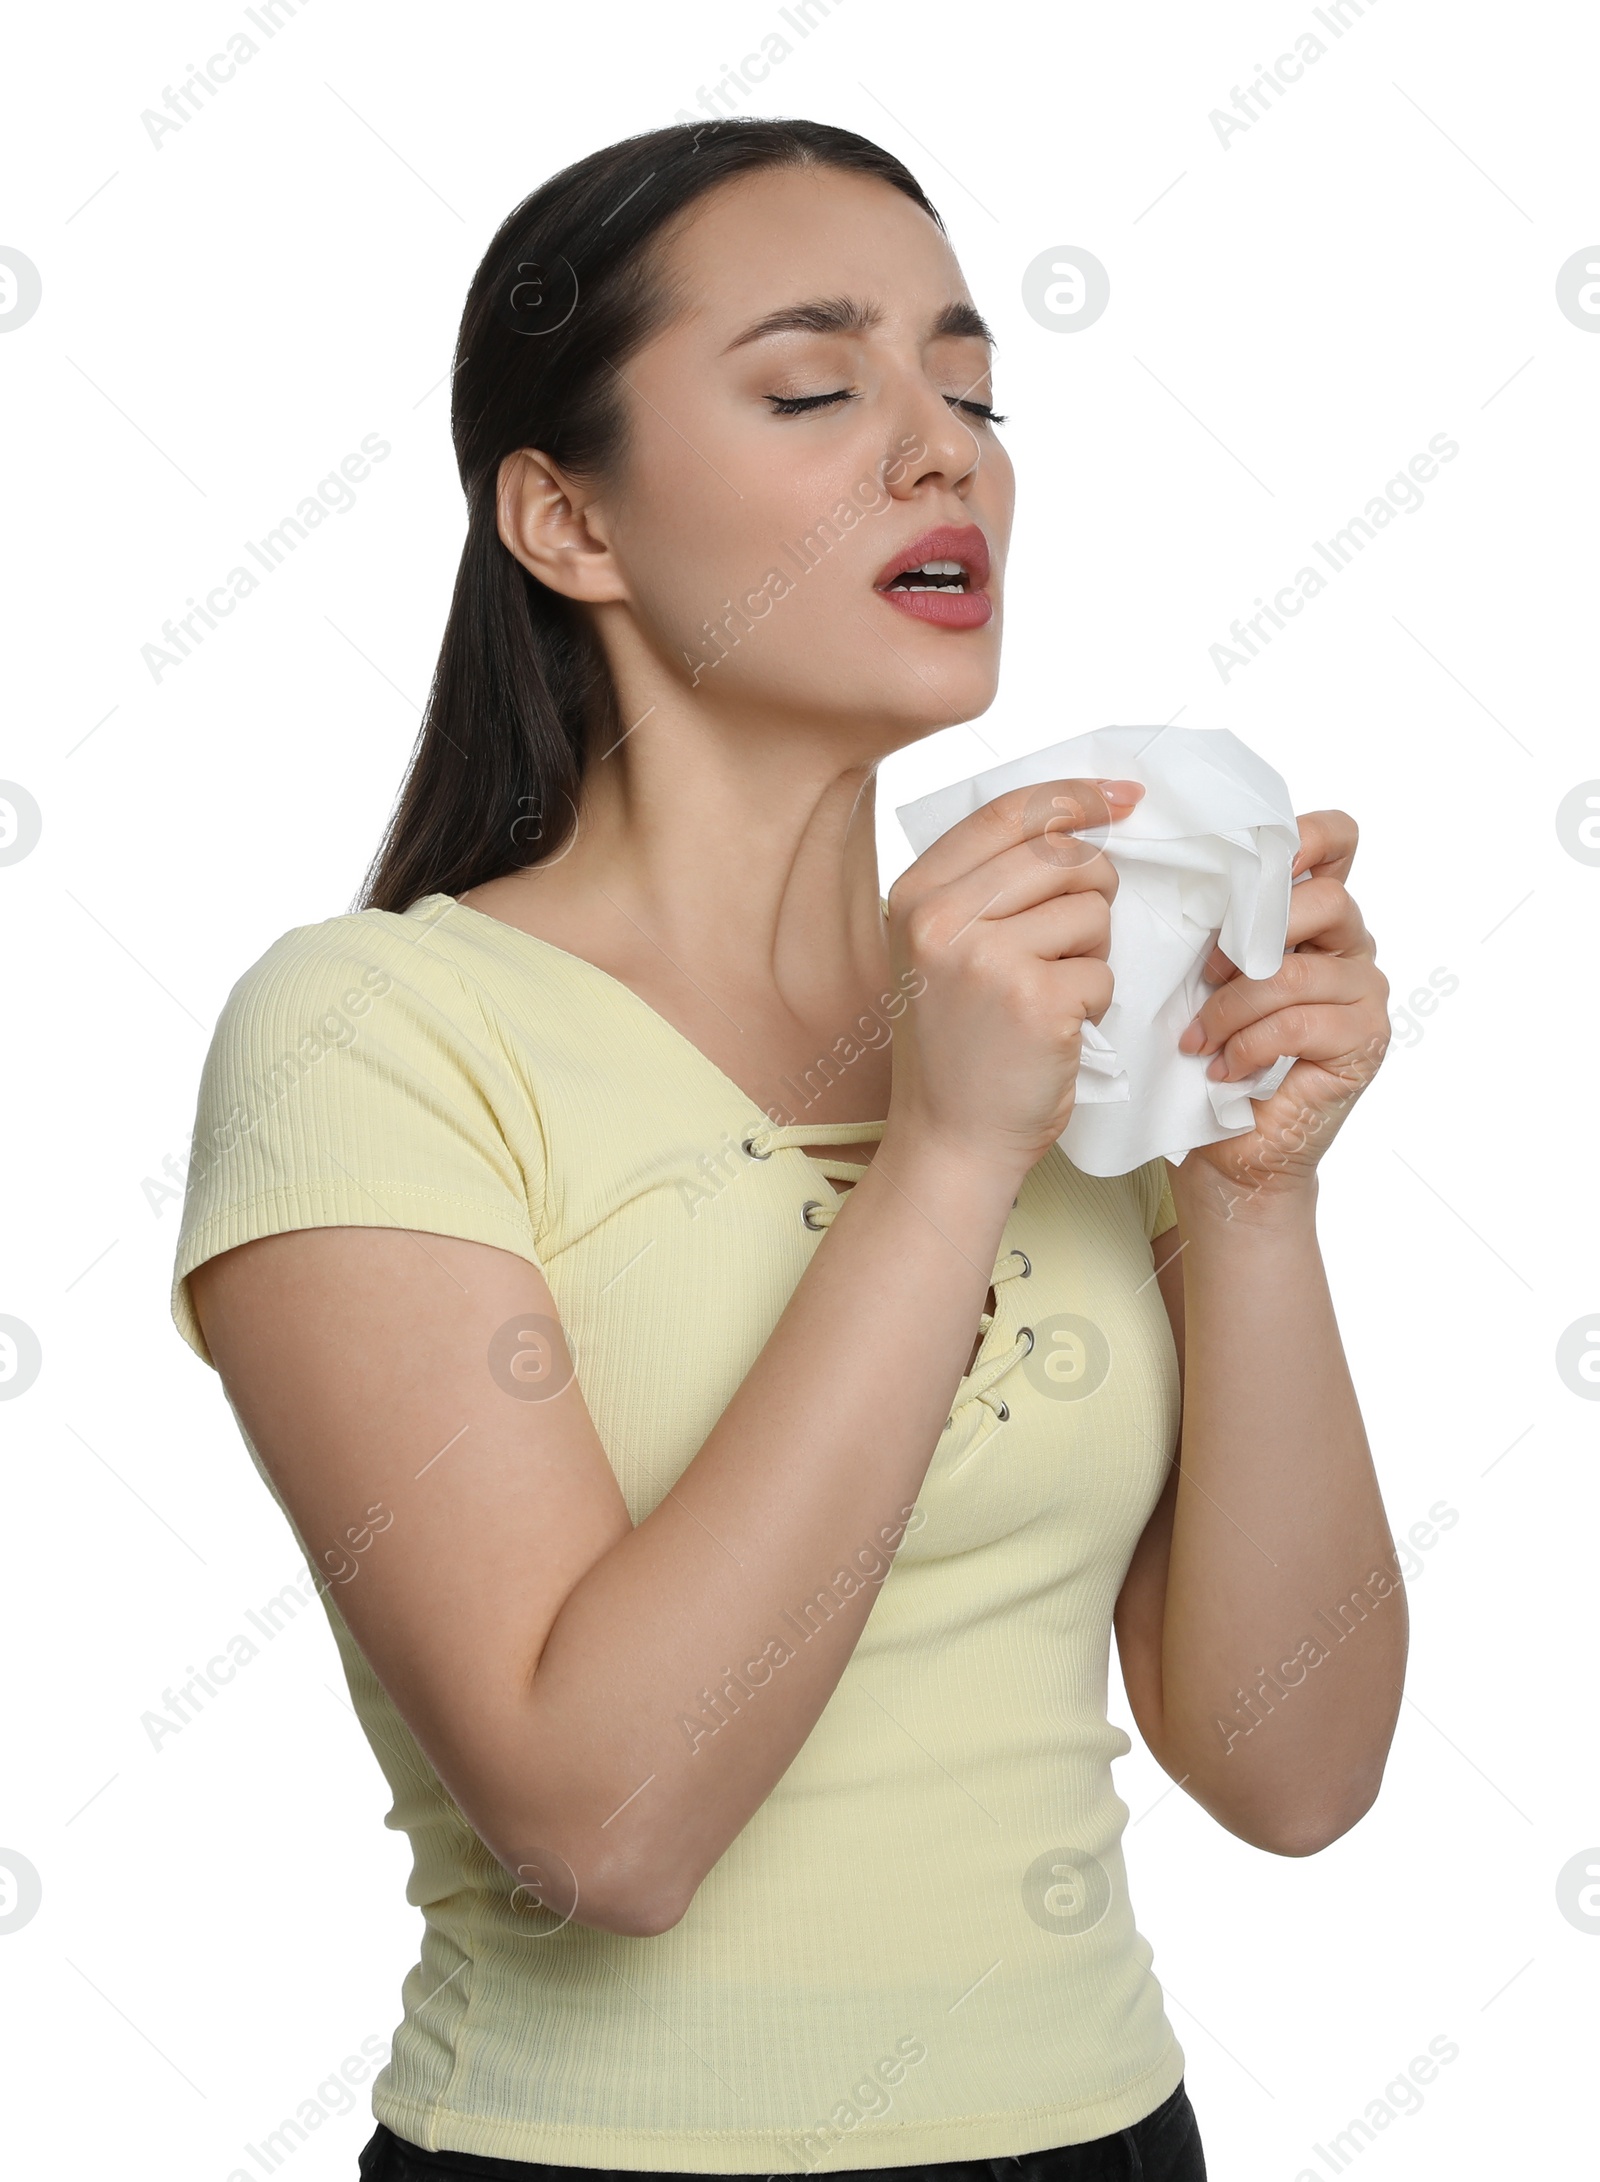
pixel 765 585
pixel 752 556
pixel 702 537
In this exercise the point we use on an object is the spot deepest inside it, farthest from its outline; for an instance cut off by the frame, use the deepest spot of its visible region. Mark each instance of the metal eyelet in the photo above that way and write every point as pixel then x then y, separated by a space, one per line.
pixel 1003 1413
pixel 1028 1330
pixel 748 1147
pixel 1027 1263
pixel 811 1205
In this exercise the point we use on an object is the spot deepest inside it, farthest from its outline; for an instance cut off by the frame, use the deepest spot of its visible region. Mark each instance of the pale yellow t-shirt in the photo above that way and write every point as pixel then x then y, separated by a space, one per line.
pixel 921 1946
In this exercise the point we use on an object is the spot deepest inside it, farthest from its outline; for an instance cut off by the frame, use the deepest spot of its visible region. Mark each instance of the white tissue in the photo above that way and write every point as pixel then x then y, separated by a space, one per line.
pixel 1202 860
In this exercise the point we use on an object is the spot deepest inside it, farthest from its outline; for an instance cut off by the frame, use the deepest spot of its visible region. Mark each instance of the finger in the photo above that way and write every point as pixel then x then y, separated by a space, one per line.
pixel 1327 843
pixel 1020 849
pixel 1073 929
pixel 1322 914
pixel 1301 980
pixel 1046 812
pixel 1218 967
pixel 1326 1033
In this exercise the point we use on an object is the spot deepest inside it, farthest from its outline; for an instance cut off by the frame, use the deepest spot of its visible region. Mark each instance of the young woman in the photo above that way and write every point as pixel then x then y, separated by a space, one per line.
pixel 725 1426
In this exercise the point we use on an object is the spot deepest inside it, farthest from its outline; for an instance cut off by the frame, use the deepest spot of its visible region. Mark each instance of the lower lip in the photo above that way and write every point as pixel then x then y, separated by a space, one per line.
pixel 948 609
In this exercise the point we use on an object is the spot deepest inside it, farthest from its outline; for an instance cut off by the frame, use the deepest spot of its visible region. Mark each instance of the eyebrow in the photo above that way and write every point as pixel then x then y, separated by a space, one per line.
pixel 845 314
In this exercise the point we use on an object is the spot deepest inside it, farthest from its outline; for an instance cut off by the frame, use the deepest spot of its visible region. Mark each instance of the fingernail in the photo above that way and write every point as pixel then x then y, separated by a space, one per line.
pixel 1120 791
pixel 1219 1066
pixel 1194 1038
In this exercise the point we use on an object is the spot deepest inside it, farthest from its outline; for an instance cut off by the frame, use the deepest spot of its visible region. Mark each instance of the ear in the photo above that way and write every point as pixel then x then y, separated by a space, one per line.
pixel 555 529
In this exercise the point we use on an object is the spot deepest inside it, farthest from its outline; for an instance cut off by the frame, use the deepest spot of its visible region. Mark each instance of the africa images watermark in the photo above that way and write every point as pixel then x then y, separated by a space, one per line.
pixel 1256 102
pixel 802 18
pixel 334 1030
pixel 1423 1000
pixel 716 1169
pixel 1286 1141
pixel 1401 495
pixel 869 497
pixel 1400 2095
pixel 334 495
pixel 1253 1707
pixel 332 2096
pixel 181 1706
pixel 872 1565
pixel 870 2096
pixel 186 102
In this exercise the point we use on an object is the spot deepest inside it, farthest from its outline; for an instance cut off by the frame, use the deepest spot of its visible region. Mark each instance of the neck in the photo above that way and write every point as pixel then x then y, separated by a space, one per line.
pixel 747 859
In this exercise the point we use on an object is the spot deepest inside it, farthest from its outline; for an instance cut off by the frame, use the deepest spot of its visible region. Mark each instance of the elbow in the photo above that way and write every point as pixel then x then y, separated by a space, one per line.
pixel 1305 1836
pixel 548 1889
pixel 635 1909
pixel 573 1850
pixel 645 1919
pixel 1311 1828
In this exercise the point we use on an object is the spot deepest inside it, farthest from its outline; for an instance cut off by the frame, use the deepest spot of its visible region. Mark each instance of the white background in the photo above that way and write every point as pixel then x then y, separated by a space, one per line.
pixel 1293 315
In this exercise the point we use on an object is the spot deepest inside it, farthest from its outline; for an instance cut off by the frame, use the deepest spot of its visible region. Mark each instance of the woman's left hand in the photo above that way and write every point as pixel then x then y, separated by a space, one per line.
pixel 1327 1003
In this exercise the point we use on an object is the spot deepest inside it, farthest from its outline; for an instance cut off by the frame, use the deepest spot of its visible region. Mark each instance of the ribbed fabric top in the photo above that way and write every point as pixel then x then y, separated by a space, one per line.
pixel 921 1946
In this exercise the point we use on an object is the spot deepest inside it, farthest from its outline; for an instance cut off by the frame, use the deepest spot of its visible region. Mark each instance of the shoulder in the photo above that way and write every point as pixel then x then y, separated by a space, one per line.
pixel 362 1017
pixel 339 968
pixel 356 1078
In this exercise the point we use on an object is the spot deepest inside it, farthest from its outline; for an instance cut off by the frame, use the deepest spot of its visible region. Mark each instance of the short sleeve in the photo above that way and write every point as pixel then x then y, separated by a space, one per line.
pixel 353 1081
pixel 1160 1210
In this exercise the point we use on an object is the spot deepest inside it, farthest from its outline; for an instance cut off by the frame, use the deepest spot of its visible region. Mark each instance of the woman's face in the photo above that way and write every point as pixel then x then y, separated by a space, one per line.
pixel 753 529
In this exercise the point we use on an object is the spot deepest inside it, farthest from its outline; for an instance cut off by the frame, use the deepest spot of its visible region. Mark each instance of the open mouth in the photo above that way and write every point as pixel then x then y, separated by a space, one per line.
pixel 940 577
pixel 931 576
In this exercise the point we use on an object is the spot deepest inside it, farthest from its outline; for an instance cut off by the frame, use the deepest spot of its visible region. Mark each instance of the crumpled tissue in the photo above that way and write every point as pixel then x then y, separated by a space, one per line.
pixel 1202 860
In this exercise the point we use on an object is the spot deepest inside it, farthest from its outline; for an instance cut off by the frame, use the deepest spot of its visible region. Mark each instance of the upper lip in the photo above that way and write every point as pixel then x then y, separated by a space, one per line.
pixel 963 542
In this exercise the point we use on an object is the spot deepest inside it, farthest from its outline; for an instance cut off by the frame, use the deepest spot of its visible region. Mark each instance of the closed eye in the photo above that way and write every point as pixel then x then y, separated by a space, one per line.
pixel 796 405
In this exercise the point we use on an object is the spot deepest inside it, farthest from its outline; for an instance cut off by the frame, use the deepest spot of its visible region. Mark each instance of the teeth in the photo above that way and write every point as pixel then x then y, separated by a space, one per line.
pixel 931 568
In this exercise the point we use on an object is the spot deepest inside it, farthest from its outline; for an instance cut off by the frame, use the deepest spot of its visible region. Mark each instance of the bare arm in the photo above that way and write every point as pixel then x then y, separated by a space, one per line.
pixel 546 1653
pixel 1262 1626
pixel 544 1650
pixel 1261 1659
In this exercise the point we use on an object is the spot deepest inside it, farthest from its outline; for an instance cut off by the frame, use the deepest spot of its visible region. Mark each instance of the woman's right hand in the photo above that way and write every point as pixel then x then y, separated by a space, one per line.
pixel 1006 918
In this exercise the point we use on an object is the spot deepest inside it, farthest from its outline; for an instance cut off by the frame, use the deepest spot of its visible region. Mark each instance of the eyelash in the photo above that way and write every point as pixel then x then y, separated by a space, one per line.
pixel 795 405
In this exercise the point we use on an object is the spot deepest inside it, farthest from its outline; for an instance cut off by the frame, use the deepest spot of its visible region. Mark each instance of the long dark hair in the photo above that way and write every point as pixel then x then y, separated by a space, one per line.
pixel 568 290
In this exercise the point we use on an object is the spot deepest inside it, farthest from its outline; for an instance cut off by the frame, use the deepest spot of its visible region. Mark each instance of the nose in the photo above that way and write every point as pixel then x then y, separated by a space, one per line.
pixel 946 451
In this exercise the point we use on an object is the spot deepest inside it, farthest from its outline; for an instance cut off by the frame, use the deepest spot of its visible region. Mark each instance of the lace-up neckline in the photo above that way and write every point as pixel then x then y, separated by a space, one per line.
pixel 803 1133
pixel 977 1384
